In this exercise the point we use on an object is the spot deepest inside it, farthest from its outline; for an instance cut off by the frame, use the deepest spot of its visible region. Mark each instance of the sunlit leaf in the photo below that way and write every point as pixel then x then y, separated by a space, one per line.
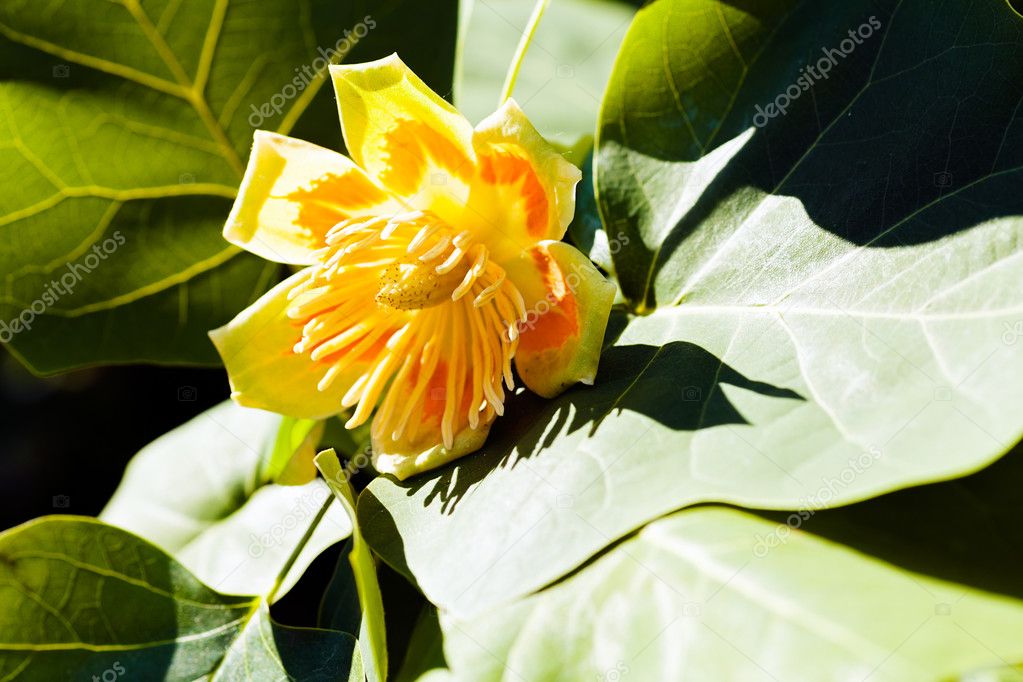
pixel 831 303
pixel 199 493
pixel 693 597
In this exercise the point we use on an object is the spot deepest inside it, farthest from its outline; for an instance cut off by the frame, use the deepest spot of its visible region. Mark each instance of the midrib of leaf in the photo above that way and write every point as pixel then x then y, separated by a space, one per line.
pixel 194 89
pixel 180 277
pixel 116 575
pixel 121 195
pixel 251 605
pixel 191 90
pixel 135 646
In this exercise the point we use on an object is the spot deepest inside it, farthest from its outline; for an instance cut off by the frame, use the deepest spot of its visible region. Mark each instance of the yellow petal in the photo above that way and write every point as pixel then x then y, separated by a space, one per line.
pixel 403 459
pixel 257 348
pixel 524 190
pixel 292 193
pixel 567 306
pixel 405 135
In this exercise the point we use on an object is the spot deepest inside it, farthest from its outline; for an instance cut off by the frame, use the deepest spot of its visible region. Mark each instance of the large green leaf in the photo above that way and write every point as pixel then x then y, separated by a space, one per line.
pixel 691 597
pixel 124 128
pixel 853 331
pixel 80 599
pixel 199 492
pixel 266 650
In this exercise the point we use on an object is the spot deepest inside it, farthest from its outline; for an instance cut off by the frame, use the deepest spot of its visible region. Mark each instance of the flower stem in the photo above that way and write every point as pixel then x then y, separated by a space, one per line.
pixel 298 550
pixel 520 51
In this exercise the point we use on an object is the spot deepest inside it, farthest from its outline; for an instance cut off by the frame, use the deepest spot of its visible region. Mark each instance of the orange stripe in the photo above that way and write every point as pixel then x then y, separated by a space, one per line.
pixel 409 146
pixel 562 320
pixel 332 197
pixel 505 168
pixel 435 397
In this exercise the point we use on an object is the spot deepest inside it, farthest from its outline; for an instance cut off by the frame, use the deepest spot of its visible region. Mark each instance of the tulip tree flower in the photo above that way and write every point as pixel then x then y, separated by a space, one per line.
pixel 432 260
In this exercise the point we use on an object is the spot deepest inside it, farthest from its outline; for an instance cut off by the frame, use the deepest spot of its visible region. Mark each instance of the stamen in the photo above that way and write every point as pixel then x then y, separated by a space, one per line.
pixel 398 221
pixel 484 296
pixel 354 393
pixel 427 365
pixel 436 250
pixel 387 307
pixel 378 378
pixel 340 341
pixel 341 231
pixel 452 260
pixel 332 373
pixel 420 239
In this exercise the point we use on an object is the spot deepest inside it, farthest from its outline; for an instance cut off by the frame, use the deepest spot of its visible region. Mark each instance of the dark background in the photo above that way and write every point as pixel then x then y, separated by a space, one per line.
pixel 65 440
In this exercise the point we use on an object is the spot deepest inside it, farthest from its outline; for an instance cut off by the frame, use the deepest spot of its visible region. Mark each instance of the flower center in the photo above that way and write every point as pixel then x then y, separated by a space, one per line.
pixel 410 284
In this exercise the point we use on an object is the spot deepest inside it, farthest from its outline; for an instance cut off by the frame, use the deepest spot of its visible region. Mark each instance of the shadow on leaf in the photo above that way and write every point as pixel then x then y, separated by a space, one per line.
pixel 679 385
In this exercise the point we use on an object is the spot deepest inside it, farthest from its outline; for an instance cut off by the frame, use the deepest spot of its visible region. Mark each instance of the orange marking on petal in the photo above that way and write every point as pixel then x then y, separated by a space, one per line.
pixel 505 168
pixel 332 197
pixel 371 353
pixel 436 393
pixel 409 145
pixel 561 321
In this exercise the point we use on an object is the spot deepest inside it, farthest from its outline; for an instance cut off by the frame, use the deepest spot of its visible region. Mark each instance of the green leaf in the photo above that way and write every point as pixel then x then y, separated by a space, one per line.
pixel 372 633
pixel 291 460
pixel 564 73
pixel 80 599
pixel 198 493
pixel 339 608
pixel 124 129
pixel 855 331
pixel 691 597
pixel 425 650
pixel 267 650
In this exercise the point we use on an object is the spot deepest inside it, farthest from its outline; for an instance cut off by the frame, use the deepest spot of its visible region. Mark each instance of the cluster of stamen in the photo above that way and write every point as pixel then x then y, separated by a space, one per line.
pixel 416 317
